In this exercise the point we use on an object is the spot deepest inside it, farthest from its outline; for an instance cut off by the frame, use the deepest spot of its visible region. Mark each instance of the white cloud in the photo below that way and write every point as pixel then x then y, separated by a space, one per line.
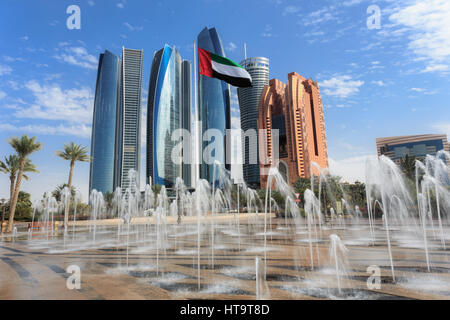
pixel 349 3
pixel 435 68
pixel 2 95
pixel 231 46
pixel 428 24
pixel 313 33
pixel 442 127
pixel 121 5
pixel 4 69
pixel 319 16
pixel 267 31
pixel 91 3
pixel 379 83
pixel 13 84
pixel 81 131
pixel 12 59
pixel 132 28
pixel 341 86
pixel 290 10
pixel 53 103
pixel 77 56
pixel 24 38
pixel 351 169
pixel 417 89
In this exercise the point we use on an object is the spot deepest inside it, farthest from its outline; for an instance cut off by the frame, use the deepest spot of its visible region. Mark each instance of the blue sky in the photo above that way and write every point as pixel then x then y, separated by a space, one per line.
pixel 374 82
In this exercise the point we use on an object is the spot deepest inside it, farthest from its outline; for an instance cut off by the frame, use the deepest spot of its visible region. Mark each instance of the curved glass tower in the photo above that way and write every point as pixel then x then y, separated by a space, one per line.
pixel 168 110
pixel 213 106
pixel 104 123
pixel 258 67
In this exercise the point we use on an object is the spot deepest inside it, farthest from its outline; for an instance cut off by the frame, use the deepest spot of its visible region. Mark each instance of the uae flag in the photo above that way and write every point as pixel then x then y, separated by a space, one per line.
pixel 214 66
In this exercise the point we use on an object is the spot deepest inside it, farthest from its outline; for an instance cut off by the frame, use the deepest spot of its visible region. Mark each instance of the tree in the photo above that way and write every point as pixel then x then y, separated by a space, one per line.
pixel 11 167
pixel 408 166
pixel 73 153
pixel 300 186
pixel 24 146
pixel 109 200
pixel 24 209
pixel 58 192
pixel 356 194
pixel 276 196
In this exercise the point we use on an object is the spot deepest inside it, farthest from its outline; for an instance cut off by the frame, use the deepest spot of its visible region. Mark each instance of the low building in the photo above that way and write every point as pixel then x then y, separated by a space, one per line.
pixel 419 146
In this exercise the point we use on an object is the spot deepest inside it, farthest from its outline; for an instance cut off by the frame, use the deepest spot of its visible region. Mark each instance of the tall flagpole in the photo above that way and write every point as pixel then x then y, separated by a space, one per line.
pixel 196 129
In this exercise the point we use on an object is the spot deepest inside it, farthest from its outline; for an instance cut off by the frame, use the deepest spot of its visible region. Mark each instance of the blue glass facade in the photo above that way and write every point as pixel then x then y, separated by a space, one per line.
pixel 103 138
pixel 214 106
pixel 416 149
pixel 166 113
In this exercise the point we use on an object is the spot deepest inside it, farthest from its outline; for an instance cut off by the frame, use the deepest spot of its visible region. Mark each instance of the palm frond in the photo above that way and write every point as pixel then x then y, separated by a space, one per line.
pixel 25 146
pixel 74 152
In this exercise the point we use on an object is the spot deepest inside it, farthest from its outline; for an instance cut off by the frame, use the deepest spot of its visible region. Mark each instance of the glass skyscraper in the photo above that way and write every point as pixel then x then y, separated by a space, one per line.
pixel 213 106
pixel 106 108
pixel 115 144
pixel 169 109
pixel 129 120
pixel 258 68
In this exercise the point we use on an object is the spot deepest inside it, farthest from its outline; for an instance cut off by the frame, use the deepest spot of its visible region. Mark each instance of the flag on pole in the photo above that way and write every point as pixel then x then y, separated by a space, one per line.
pixel 215 66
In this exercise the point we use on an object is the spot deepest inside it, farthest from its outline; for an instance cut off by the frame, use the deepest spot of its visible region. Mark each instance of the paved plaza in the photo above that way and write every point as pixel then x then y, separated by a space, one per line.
pixel 35 266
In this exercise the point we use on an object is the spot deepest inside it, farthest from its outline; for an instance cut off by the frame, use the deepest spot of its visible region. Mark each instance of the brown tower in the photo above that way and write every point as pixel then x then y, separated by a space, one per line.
pixel 296 111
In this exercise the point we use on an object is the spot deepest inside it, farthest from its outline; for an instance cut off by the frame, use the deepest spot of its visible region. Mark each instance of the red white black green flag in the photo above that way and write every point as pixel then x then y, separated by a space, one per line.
pixel 215 66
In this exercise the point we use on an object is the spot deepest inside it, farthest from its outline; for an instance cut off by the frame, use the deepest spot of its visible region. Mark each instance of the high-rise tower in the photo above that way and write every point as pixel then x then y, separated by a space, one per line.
pixel 258 68
pixel 169 109
pixel 106 110
pixel 129 120
pixel 213 108
pixel 296 111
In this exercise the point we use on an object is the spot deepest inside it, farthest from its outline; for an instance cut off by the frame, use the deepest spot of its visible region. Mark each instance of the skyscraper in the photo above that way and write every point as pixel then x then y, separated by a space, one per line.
pixel 106 109
pixel 115 145
pixel 169 109
pixel 258 68
pixel 213 108
pixel 129 120
pixel 296 111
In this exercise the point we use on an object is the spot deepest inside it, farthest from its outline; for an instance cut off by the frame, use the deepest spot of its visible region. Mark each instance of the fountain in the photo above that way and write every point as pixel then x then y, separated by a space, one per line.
pixel 338 253
pixel 203 243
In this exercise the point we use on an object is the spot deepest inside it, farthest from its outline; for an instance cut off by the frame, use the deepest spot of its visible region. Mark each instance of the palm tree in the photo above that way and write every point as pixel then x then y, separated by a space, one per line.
pixel 24 146
pixel 11 167
pixel 408 166
pixel 58 192
pixel 72 152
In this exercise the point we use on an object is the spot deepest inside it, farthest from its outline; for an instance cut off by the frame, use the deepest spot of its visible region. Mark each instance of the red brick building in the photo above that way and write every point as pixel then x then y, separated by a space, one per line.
pixel 295 109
